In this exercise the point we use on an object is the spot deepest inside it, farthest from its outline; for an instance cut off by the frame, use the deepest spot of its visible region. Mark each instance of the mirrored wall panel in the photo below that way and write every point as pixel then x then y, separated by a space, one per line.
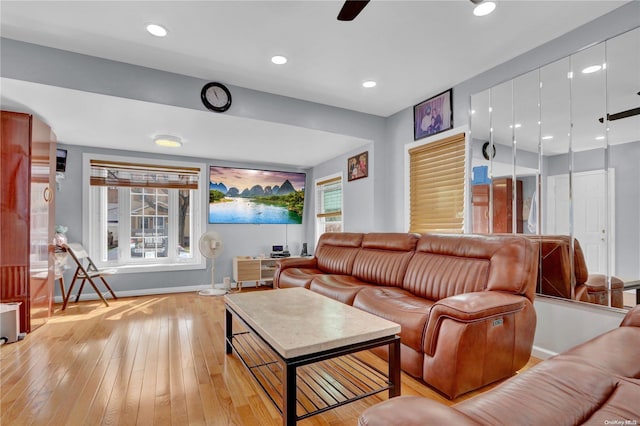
pixel 555 156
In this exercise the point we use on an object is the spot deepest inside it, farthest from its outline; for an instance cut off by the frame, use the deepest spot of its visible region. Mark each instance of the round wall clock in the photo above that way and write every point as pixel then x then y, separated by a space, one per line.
pixel 216 97
pixel 485 150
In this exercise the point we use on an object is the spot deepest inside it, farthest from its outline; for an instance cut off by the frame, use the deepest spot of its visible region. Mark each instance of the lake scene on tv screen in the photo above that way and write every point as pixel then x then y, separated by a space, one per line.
pixel 239 195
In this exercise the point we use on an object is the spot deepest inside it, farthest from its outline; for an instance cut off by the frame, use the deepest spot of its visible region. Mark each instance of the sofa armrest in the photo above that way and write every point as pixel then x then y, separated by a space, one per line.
pixel 599 283
pixel 467 308
pixel 413 411
pixel 293 262
pixel 297 262
pixel 632 319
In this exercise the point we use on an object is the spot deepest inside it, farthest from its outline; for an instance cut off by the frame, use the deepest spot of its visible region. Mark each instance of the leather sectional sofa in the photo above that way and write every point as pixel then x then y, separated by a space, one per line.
pixel 464 302
pixel 595 383
pixel 558 278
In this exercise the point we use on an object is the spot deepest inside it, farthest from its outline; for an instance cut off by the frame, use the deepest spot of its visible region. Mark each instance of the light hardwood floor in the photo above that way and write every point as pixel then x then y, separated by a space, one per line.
pixel 146 360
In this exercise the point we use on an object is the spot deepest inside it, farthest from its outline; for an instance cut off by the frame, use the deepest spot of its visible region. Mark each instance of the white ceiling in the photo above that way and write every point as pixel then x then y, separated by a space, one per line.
pixel 413 49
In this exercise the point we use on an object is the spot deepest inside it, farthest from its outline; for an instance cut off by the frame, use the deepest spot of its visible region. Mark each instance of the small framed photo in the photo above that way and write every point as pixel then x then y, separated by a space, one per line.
pixel 433 116
pixel 358 166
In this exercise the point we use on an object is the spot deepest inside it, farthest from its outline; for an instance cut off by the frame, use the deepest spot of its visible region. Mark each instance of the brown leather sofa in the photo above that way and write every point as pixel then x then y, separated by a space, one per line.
pixel 595 383
pixel 464 301
pixel 557 277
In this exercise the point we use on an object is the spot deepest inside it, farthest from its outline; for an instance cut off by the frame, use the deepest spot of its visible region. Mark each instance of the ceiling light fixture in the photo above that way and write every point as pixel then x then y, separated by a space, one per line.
pixel 599 138
pixel 369 84
pixel 168 141
pixel 157 30
pixel 546 138
pixel 483 7
pixel 591 69
pixel 279 60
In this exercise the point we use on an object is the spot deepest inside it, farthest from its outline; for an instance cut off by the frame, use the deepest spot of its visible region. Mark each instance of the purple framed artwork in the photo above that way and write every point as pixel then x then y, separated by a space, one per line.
pixel 433 116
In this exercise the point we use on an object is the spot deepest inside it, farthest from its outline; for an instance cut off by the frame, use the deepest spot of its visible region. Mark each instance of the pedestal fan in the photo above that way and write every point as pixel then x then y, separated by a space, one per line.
pixel 210 245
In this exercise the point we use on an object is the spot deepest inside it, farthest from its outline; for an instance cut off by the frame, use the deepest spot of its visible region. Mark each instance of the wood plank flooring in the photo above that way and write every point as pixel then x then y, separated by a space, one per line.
pixel 153 360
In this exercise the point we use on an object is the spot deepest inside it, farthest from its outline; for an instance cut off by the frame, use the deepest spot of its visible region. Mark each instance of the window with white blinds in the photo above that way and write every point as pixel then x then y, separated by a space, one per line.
pixel 329 205
pixel 142 215
pixel 125 174
pixel 436 186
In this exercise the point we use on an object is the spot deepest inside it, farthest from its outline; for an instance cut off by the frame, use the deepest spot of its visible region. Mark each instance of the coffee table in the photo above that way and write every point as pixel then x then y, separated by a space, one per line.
pixel 299 347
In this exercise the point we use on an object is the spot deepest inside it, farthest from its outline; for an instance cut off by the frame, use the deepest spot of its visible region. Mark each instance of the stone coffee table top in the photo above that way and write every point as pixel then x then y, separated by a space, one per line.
pixel 297 321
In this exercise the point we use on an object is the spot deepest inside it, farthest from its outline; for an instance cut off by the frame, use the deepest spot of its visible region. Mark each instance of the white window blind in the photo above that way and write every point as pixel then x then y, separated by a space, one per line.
pixel 328 205
pixel 437 177
pixel 329 202
pixel 122 174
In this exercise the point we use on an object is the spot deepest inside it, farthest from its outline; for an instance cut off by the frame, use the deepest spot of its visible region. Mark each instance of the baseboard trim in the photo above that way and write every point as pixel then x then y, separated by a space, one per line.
pixel 90 295
pixel 542 353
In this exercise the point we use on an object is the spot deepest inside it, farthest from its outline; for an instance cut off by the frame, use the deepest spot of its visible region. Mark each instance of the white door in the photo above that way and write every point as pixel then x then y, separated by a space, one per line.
pixel 589 214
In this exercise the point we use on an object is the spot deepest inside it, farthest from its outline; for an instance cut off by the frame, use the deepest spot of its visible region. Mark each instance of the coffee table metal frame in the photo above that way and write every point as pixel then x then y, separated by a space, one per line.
pixel 240 341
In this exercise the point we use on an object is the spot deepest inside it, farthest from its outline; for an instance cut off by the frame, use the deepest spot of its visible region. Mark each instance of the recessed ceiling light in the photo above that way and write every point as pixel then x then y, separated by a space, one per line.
pixel 157 30
pixel 518 125
pixel 168 141
pixel 484 8
pixel 599 138
pixel 546 138
pixel 591 69
pixel 369 84
pixel 279 60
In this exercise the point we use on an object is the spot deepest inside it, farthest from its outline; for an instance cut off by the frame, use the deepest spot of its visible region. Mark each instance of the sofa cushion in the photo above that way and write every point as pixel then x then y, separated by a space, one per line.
pixel 336 252
pixel 390 241
pixel 384 257
pixel 555 392
pixel 622 407
pixel 617 352
pixel 297 277
pixel 339 287
pixel 399 306
pixel 444 266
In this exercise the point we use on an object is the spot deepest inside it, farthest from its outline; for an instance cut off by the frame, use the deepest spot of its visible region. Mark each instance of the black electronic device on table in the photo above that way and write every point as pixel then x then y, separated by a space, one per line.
pixel 279 251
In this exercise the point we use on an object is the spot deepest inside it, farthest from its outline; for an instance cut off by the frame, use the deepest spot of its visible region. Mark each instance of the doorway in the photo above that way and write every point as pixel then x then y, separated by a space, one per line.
pixel 589 206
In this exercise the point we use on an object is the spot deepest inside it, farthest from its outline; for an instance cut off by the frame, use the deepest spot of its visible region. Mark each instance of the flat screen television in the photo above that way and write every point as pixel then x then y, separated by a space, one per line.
pixel 238 195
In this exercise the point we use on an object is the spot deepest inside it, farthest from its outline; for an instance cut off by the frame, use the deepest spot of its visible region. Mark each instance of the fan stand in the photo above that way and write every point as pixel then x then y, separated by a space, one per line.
pixel 213 291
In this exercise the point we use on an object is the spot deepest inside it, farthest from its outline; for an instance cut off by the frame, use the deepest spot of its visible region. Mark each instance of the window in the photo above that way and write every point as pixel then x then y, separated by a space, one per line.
pixel 329 205
pixel 144 214
pixel 437 186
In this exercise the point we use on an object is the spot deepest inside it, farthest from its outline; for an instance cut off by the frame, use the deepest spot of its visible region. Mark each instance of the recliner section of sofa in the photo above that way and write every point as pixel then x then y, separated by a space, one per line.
pixel 595 383
pixel 464 302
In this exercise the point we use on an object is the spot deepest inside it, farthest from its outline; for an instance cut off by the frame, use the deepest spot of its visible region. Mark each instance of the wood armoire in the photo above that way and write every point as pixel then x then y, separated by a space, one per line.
pixel 27 215
pixel 502 206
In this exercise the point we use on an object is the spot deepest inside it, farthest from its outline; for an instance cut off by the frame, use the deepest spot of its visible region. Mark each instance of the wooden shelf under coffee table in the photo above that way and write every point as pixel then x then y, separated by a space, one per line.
pixel 299 347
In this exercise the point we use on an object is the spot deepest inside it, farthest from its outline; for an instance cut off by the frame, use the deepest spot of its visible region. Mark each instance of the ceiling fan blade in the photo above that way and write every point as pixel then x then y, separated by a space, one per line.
pixel 351 9
pixel 622 114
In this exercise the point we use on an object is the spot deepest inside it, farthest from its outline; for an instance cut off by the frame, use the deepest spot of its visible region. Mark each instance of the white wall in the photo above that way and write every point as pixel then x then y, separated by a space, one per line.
pixel 29 62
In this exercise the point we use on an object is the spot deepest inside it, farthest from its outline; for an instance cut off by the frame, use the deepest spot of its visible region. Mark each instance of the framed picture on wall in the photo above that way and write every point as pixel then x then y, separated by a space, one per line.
pixel 358 166
pixel 433 116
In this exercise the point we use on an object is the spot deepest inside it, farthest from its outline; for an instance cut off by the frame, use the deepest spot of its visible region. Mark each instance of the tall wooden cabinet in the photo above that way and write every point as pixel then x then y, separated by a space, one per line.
pixel 27 216
pixel 502 206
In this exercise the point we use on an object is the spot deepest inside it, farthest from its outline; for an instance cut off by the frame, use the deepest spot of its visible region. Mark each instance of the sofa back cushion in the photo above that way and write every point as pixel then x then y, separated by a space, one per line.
pixel 446 265
pixel 336 252
pixel 384 257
